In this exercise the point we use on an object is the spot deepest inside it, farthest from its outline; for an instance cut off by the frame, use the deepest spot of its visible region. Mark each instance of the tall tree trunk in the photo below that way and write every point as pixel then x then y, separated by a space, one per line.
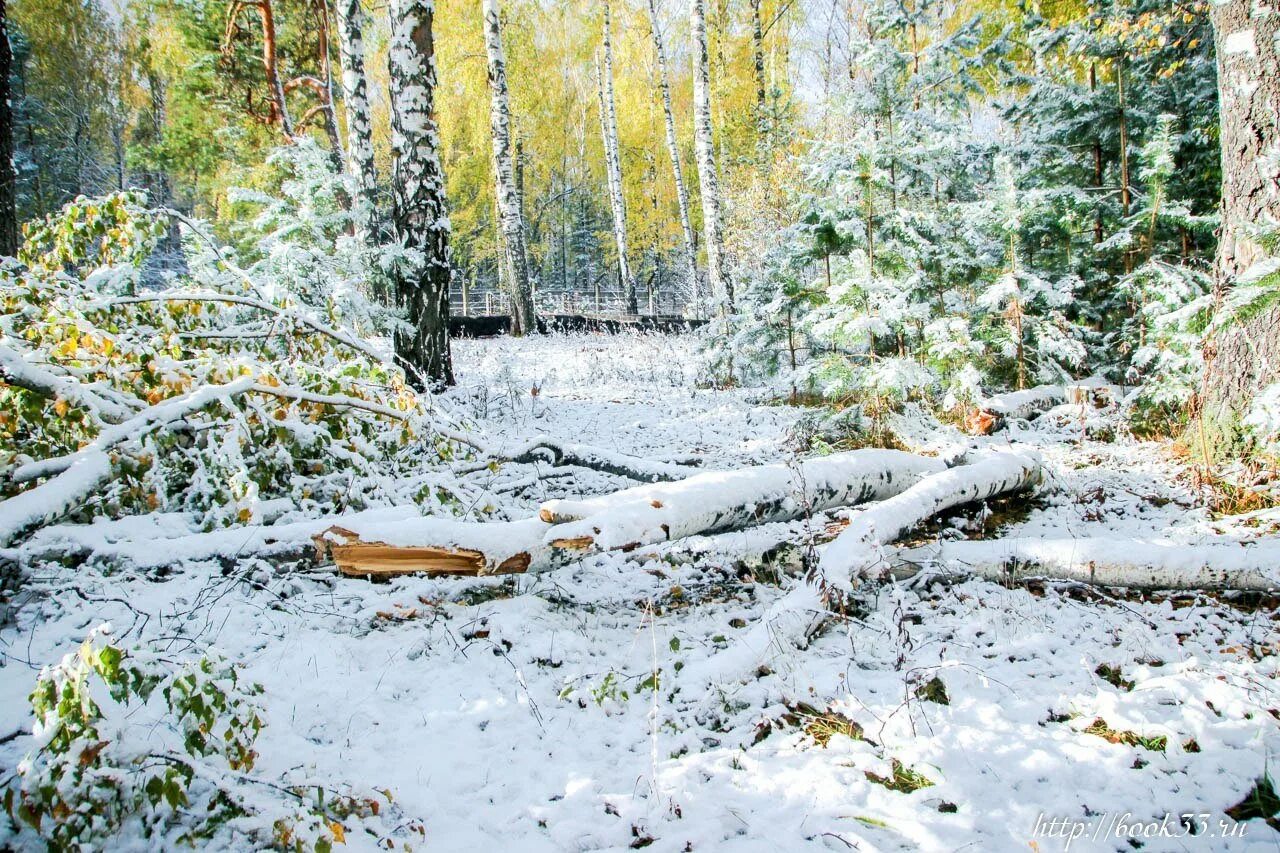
pixel 1126 191
pixel 1245 357
pixel 613 165
pixel 1097 161
pixel 704 149
pixel 8 179
pixel 510 217
pixel 757 62
pixel 355 93
pixel 421 220
pixel 279 110
pixel 330 112
pixel 673 149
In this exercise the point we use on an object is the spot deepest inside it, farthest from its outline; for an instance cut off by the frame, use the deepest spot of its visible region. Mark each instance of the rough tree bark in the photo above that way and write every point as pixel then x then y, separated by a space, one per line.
pixel 673 149
pixel 419 213
pixel 355 92
pixel 1244 358
pixel 613 164
pixel 8 180
pixel 708 178
pixel 511 219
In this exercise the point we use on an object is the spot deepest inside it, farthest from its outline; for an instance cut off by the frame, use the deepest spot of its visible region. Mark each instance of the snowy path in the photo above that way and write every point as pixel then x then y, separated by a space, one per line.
pixel 596 708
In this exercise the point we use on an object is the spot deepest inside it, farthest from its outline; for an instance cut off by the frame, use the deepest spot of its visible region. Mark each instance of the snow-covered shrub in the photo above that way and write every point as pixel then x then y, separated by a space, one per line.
pixel 130 744
pixel 324 423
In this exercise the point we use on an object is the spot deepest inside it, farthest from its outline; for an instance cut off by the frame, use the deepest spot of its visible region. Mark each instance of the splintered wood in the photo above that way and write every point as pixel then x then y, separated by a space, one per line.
pixel 355 557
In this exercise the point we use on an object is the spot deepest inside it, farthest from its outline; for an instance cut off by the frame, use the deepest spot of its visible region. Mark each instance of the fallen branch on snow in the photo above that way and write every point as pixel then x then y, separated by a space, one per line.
pixel 18 372
pixel 543 449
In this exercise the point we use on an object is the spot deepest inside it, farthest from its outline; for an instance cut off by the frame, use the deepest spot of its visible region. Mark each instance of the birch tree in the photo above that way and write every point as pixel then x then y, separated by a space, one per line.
pixel 420 218
pixel 705 152
pixel 355 92
pixel 673 148
pixel 510 215
pixel 1246 356
pixel 613 164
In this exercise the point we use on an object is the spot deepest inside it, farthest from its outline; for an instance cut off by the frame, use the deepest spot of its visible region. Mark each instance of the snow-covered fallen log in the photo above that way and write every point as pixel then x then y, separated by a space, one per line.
pixel 709 502
pixel 858 548
pixel 994 412
pixel 1025 403
pixel 716 501
pixel 74 477
pixel 1136 563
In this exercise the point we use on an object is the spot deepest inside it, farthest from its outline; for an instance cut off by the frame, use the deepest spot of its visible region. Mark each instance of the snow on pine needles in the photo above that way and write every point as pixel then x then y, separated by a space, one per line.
pixel 607 706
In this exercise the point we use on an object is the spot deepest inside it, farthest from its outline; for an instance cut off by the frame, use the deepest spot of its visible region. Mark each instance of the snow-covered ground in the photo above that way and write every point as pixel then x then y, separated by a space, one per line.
pixel 612 705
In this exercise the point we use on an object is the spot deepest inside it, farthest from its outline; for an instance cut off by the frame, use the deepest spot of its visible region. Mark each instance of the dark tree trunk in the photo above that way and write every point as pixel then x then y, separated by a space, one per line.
pixel 420 217
pixel 1245 357
pixel 8 180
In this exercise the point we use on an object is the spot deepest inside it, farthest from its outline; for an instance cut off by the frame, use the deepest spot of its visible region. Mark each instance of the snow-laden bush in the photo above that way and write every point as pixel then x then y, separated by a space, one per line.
pixel 304 246
pixel 132 745
pixel 321 422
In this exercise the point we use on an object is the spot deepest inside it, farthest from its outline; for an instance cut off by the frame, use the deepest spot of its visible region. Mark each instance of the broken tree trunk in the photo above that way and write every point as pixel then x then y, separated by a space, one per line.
pixel 1134 563
pixel 710 502
pixel 857 549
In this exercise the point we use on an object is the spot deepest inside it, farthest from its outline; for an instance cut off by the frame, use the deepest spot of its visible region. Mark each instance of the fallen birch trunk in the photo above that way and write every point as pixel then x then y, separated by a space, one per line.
pixel 858 548
pixel 1134 563
pixel 793 618
pixel 715 501
pixel 709 502
pixel 994 412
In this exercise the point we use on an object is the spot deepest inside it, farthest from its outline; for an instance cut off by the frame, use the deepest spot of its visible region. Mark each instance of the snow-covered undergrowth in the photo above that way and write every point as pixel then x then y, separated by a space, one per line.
pixel 631 699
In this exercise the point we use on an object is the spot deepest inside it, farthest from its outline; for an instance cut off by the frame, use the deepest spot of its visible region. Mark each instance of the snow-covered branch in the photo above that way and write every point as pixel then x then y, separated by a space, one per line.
pixel 21 373
pixel 75 476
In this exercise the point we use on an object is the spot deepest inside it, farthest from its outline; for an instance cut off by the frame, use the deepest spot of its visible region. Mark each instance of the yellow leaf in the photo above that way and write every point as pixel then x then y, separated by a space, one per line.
pixel 60 406
pixel 339 834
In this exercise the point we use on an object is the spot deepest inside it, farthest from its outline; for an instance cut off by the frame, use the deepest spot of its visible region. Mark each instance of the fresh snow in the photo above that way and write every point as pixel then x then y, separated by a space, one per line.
pixel 517 713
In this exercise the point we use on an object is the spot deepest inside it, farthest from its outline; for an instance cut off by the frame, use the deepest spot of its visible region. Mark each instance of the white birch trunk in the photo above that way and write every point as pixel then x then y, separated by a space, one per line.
pixel 420 216
pixel 511 220
pixel 673 148
pixel 1133 563
pixel 355 92
pixel 613 165
pixel 708 177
